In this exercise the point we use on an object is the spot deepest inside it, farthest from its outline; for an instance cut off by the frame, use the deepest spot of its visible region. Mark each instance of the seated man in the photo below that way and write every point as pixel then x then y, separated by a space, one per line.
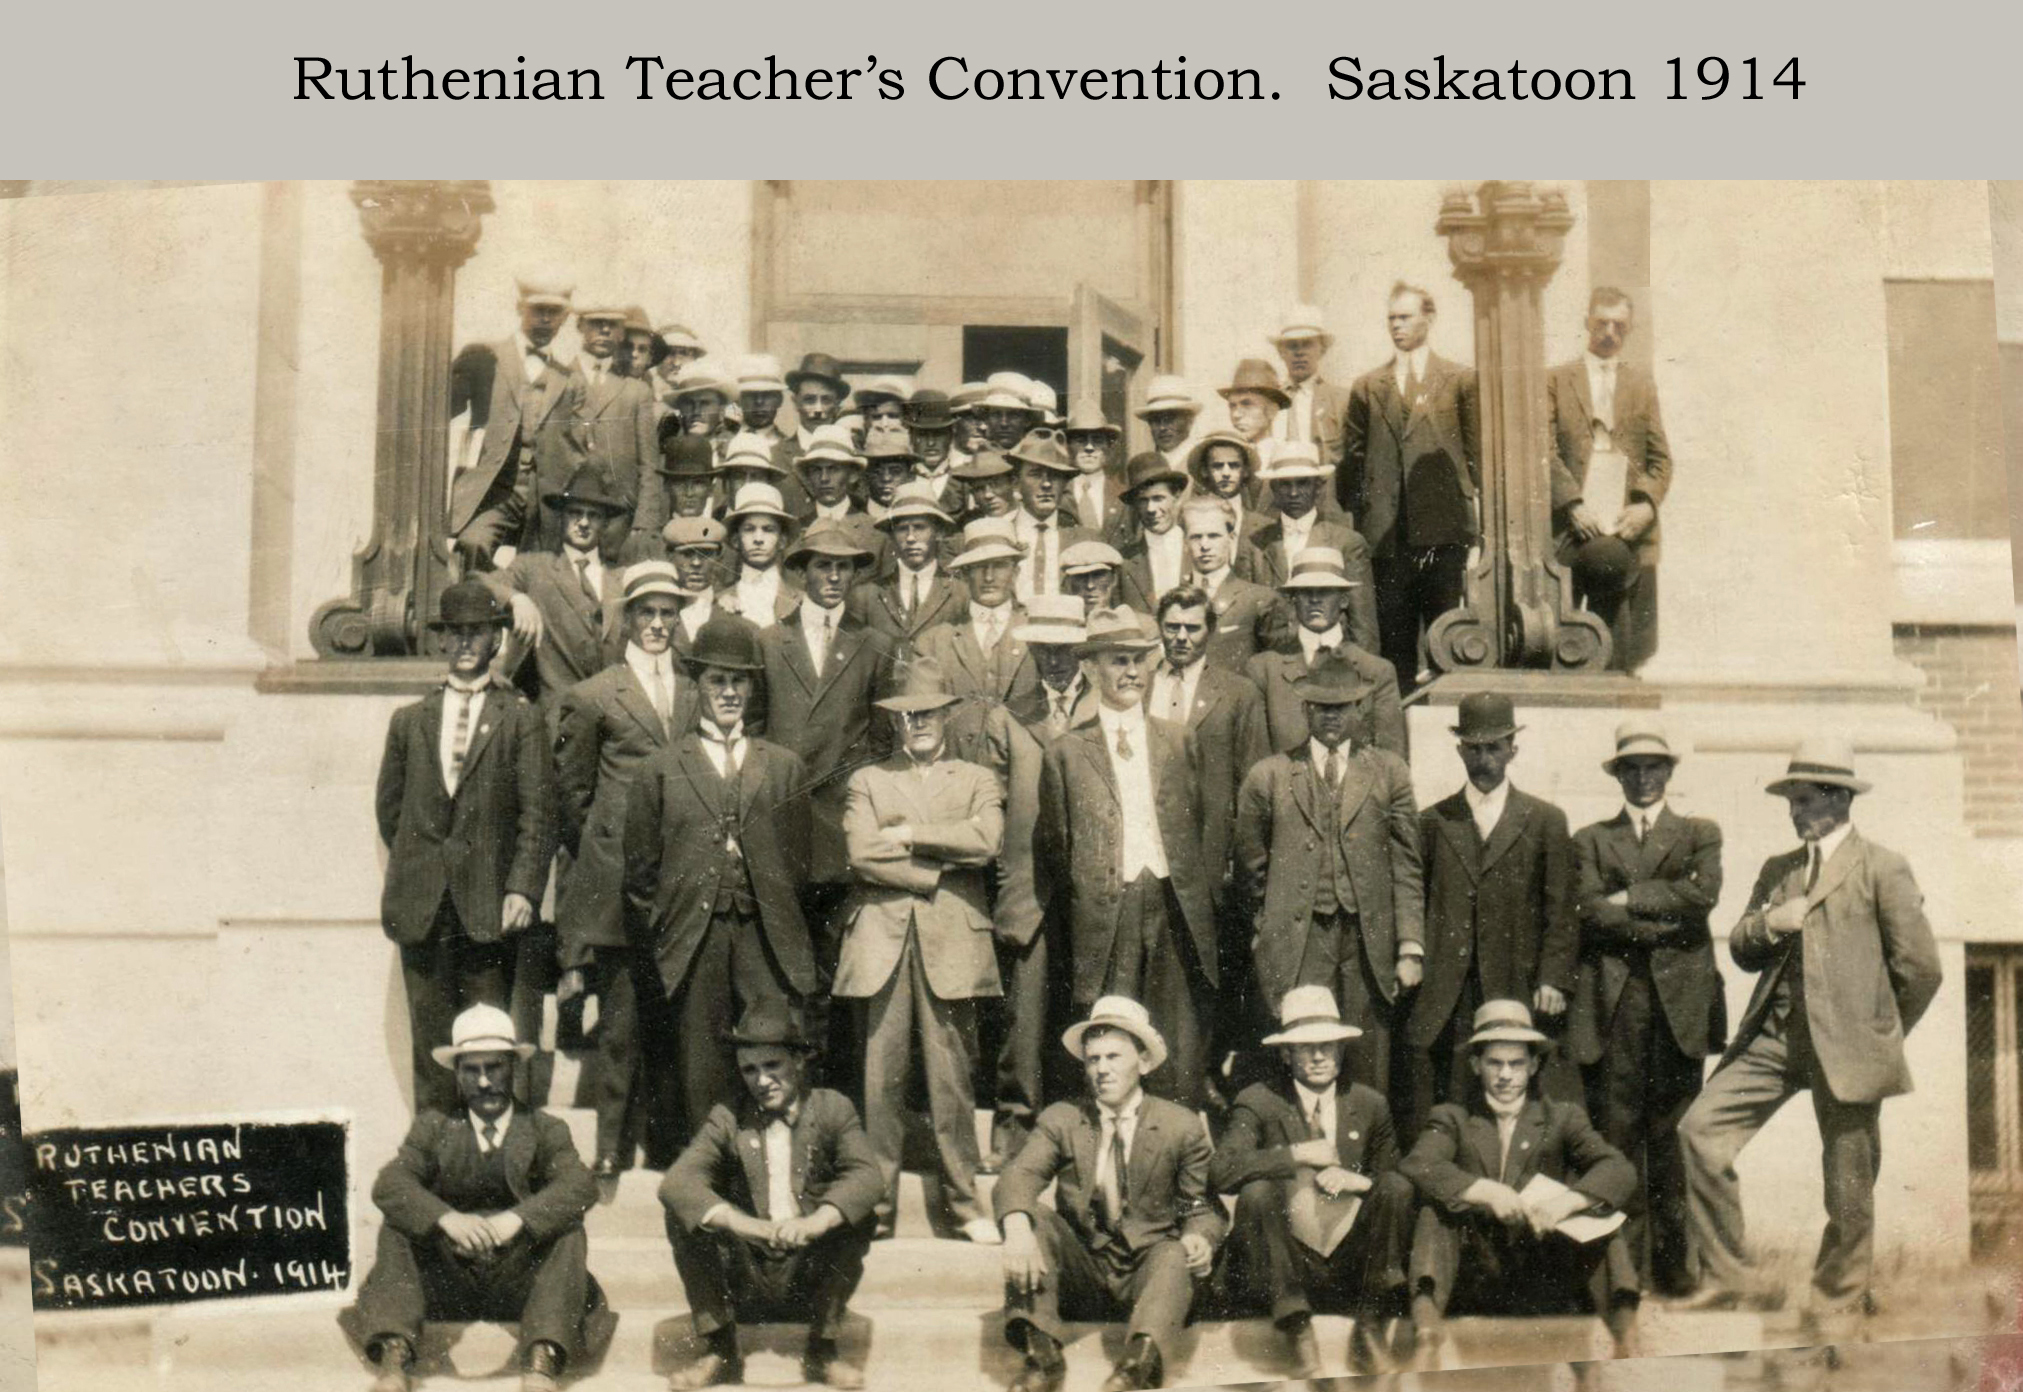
pixel 769 1207
pixel 1291 1150
pixel 1122 1240
pixel 1488 1240
pixel 484 1219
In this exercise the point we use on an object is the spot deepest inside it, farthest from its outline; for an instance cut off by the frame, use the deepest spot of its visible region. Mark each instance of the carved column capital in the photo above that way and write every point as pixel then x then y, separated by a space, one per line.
pixel 432 220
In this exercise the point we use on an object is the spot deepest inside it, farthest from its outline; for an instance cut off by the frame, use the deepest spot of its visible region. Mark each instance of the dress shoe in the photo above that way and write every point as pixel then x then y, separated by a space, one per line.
pixel 982 1232
pixel 1622 1322
pixel 1045 1368
pixel 824 1363
pixel 1429 1334
pixel 391 1363
pixel 713 1369
pixel 1303 1350
pixel 1366 1347
pixel 1141 1366
pixel 886 1224
pixel 607 1167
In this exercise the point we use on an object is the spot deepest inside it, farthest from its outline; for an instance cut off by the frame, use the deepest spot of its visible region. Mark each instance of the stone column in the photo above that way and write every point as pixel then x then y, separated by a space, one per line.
pixel 421 231
pixel 1505 242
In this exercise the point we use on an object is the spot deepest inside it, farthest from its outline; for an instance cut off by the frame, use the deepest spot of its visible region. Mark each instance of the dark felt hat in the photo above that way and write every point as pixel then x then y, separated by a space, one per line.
pixel 1150 468
pixel 1485 717
pixel 770 1021
pixel 821 368
pixel 928 409
pixel 1333 681
pixel 589 486
pixel 687 456
pixel 726 641
pixel 470 602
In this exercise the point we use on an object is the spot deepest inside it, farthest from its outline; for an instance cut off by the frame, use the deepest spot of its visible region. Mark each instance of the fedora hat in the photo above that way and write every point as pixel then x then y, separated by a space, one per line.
pixel 686 456
pixel 1197 457
pixel 758 500
pixel 1090 555
pixel 1303 321
pixel 482 1029
pixel 963 399
pixel 1120 1013
pixel 988 539
pixel 888 444
pixel 1256 375
pixel 1052 618
pixel 759 372
pixel 996 394
pixel 1504 1022
pixel 1485 717
pixel 915 499
pixel 1333 681
pixel 829 537
pixel 589 486
pixel 1147 469
pixel 470 602
pixel 819 367
pixel 1087 419
pixel 703 375
pixel 1168 393
pixel 1309 1015
pixel 651 578
pixel 922 687
pixel 1295 459
pixel 1045 401
pixel 830 444
pixel 1122 628
pixel 770 1022
pixel 986 464
pixel 1639 739
pixel 748 451
pixel 682 533
pixel 547 288
pixel 678 336
pixel 1318 568
pixel 1043 449
pixel 1825 761
pixel 726 641
pixel 928 409
pixel 882 389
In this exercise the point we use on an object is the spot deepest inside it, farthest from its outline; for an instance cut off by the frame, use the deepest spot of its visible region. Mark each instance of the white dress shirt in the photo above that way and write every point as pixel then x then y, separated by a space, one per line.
pixel 1642 819
pixel 1325 1100
pixel 1062 702
pixel 724 747
pixel 697 612
pixel 835 512
pixel 534 360
pixel 596 369
pixel 778 1141
pixel 1293 533
pixel 1828 844
pixel 1311 643
pixel 655 672
pixel 914 585
pixel 818 626
pixel 1141 847
pixel 1168 554
pixel 1120 1121
pixel 1506 1126
pixel 1601 389
pixel 473 692
pixel 498 1125
pixel 1173 692
pixel 1406 365
pixel 1486 808
pixel 1296 421
pixel 758 591
pixel 1211 581
pixel 1090 497
pixel 1040 569
pixel 982 620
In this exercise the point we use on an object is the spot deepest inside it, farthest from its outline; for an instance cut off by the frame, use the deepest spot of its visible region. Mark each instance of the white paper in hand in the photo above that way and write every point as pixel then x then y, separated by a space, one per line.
pixel 1317 1221
pixel 1581 1227
pixel 1606 487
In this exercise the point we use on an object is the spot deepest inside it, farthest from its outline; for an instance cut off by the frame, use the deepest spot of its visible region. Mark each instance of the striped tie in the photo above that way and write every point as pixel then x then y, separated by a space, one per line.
pixel 460 738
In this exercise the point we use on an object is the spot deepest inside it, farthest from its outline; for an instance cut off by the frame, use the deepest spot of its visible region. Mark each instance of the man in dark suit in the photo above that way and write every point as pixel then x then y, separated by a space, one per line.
pixel 1648 1007
pixel 1224 465
pixel 1328 869
pixel 465 804
pixel 1040 524
pixel 930 430
pixel 831 470
pixel 921 827
pixel 688 476
pixel 483 1209
pixel 1500 919
pixel 1501 1171
pixel 1120 850
pixel 979 652
pixel 619 420
pixel 1847 967
pixel 1092 571
pixel 1132 1226
pixel 1246 613
pixel 695 548
pixel 1294 523
pixel 716 846
pixel 1292 1149
pixel 917 594
pixel 1316 412
pixel 769 1207
pixel 1319 590
pixel 527 406
pixel 1155 555
pixel 1601 403
pixel 1095 494
pixel 1410 470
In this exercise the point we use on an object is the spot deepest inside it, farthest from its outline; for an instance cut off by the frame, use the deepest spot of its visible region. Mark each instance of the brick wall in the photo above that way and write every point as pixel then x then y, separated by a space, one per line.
pixel 1972 684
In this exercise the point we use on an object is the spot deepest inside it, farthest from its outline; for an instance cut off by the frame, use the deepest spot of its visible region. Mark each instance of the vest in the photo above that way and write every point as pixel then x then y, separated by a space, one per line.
pixel 1336 892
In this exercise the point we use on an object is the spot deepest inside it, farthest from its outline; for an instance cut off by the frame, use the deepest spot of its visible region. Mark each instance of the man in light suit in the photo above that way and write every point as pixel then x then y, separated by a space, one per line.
pixel 1601 402
pixel 979 653
pixel 1316 411
pixel 917 953
pixel 1295 522
pixel 1132 1226
pixel 1246 614
pixel 769 1207
pixel 1120 850
pixel 1410 471
pixel 1847 967
pixel 483 1209
pixel 527 405
pixel 1328 868
pixel 618 421
pixel 1648 1007
pixel 465 804
pixel 1319 591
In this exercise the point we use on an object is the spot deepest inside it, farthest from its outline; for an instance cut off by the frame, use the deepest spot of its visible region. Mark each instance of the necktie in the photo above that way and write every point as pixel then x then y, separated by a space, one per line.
pixel 992 629
pixel 1605 398
pixel 1123 741
pixel 583 576
pixel 1113 1179
pixel 491 1135
pixel 1176 694
pixel 1316 1124
pixel 460 738
pixel 1043 558
pixel 909 593
pixel 663 700
pixel 1334 772
pixel 1811 866
pixel 1058 719
pixel 1643 826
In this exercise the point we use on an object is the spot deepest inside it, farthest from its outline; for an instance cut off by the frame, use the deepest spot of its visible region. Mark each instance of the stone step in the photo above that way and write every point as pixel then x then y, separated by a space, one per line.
pixel 635 1210
pixel 919 1272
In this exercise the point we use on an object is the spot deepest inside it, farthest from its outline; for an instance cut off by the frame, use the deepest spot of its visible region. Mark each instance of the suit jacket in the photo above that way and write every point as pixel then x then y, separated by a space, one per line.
pixel 1506 908
pixel 1385 447
pixel 620 433
pixel 1671 880
pixel 1359 619
pixel 542 1169
pixel 606 730
pixel 936 891
pixel 1266 1123
pixel 1285 844
pixel 1135 585
pixel 1285 714
pixel 827 720
pixel 1004 677
pixel 1247 622
pixel 677 809
pixel 1639 435
pixel 1012 745
pixel 493 838
pixel 1165 1178
pixel 1329 421
pixel 1081 839
pixel 489 381
pixel 1226 722
pixel 726 1163
pixel 1117 522
pixel 785 601
pixel 1555 1139
pixel 877 607
pixel 1871 967
pixel 581 634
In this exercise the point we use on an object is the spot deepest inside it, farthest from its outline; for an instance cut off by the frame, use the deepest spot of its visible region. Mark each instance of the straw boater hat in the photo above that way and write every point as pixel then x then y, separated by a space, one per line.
pixel 1333 681
pixel 1111 630
pixel 915 499
pixel 675 336
pixel 1017 383
pixel 1087 419
pixel 681 533
pixel 987 539
pixel 1303 321
pixel 1122 1013
pixel 758 500
pixel 1485 717
pixel 997 394
pixel 1318 568
pixel 686 456
pixel 652 578
pixel 1309 1015
pixel 1090 555
pixel 1504 1022
pixel 726 641
pixel 1168 393
pixel 1824 761
pixel 830 444
pixel 819 367
pixel 829 537
pixel 547 288
pixel 1639 738
pixel 1197 457
pixel 922 687
pixel 1043 449
pixel 760 372
pixel 1147 469
pixel 1052 618
pixel 1295 459
pixel 470 602
pixel 482 1029
pixel 882 389
pixel 748 451
pixel 1256 375
pixel 589 486
pixel 966 396
pixel 770 1022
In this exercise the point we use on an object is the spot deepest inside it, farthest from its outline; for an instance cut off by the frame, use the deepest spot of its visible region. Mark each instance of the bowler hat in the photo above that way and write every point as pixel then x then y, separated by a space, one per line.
pixel 1119 1013
pixel 1504 1022
pixel 1333 681
pixel 1639 739
pixel 769 1021
pixel 928 409
pixel 1113 630
pixel 1309 1015
pixel 819 367
pixel 686 456
pixel 922 687
pixel 1820 760
pixel 1606 563
pixel 1087 418
pixel 1147 469
pixel 726 641
pixel 830 537
pixel 1485 717
pixel 589 486
pixel 1256 375
pixel 1052 618
pixel 1042 448
pixel 482 1029
pixel 470 602
pixel 914 499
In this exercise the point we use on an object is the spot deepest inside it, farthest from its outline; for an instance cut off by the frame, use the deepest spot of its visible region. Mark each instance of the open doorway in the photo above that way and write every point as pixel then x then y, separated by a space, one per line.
pixel 1040 352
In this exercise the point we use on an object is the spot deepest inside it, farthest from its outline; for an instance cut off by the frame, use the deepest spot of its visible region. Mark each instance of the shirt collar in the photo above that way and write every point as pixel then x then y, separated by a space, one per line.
pixel 590 557
pixel 476 688
pixel 1498 1110
pixel 1072 693
pixel 1311 642
pixel 758 578
pixel 708 729
pixel 1126 1112
pixel 1653 812
pixel 922 577
pixel 1112 719
pixel 528 350
pixel 1318 752
pixel 640 660
pixel 977 611
pixel 500 1123
pixel 1405 362
pixel 1595 364
pixel 791 1115
pixel 1308 1096
pixel 1830 842
pixel 1479 800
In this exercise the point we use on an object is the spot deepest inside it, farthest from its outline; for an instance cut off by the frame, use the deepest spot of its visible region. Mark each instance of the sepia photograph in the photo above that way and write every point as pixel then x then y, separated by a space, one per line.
pixel 1031 785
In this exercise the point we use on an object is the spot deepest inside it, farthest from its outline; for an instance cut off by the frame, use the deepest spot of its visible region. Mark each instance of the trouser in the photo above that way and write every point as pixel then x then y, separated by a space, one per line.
pixel 1415 586
pixel 535 974
pixel 1333 956
pixel 622 1092
pixel 1636 1094
pixel 445 974
pixel 732 969
pixel 1150 1287
pixel 1472 1263
pixel 1266 1268
pixel 1028 1040
pixel 822 907
pixel 905 1011
pixel 544 1286
pixel 1153 963
pixel 1630 609
pixel 728 1279
pixel 1741 1096
pixel 1425 1075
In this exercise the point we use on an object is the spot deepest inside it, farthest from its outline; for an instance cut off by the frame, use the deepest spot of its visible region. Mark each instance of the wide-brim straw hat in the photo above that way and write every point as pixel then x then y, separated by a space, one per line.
pixel 1052 618
pixel 1504 1022
pixel 1087 418
pixel 650 578
pixel 482 1029
pixel 758 500
pixel 1295 459
pixel 1303 321
pixel 1309 1015
pixel 1318 568
pixel 914 499
pixel 1121 1013
pixel 760 372
pixel 1168 393
pixel 1639 739
pixel 1823 761
pixel 988 539
pixel 1197 456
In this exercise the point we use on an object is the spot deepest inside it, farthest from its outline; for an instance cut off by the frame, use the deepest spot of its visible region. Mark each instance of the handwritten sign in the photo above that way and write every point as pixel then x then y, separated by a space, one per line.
pixel 150 1215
